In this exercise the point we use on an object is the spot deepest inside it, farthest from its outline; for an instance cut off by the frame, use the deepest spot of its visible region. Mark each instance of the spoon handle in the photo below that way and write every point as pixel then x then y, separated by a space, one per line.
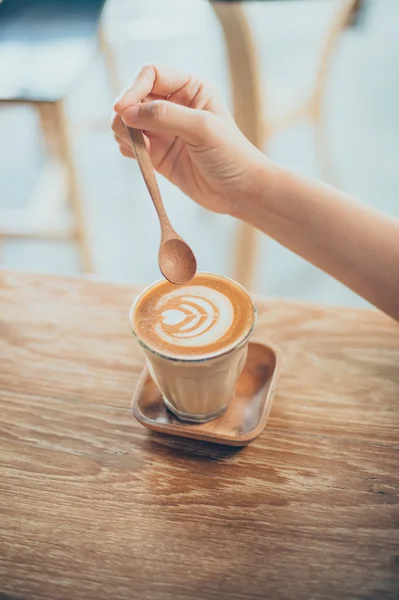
pixel 147 171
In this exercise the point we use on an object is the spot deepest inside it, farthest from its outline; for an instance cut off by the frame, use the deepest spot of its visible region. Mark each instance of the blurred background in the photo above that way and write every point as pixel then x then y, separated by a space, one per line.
pixel 314 83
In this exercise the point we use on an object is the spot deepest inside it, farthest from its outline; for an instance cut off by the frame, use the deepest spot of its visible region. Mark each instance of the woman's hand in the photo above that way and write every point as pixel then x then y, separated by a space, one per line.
pixel 192 138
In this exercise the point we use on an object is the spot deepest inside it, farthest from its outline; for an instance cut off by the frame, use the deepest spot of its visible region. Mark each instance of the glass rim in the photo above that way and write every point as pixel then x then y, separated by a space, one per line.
pixel 240 342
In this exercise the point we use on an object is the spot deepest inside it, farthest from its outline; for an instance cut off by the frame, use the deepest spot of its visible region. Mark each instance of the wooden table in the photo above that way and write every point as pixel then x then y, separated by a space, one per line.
pixel 93 506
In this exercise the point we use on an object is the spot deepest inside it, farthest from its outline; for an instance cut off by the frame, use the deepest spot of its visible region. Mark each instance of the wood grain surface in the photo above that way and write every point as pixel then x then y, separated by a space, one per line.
pixel 93 506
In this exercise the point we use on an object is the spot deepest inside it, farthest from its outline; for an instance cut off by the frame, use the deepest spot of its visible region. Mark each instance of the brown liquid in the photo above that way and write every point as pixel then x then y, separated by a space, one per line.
pixel 227 310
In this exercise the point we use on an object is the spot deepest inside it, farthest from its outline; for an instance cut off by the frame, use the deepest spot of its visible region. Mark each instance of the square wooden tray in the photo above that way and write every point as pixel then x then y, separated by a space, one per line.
pixel 245 417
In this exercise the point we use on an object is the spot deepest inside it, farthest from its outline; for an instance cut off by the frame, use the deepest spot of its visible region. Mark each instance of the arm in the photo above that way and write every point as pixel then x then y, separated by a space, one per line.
pixel 194 142
pixel 355 244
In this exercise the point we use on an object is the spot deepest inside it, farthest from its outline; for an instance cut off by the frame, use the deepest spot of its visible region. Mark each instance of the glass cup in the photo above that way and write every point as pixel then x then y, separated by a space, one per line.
pixel 196 389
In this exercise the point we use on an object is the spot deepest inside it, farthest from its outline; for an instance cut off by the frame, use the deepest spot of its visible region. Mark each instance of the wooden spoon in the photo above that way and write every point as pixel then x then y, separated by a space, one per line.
pixel 175 258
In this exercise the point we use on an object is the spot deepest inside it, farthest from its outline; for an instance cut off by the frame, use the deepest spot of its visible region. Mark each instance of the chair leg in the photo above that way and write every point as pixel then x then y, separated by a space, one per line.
pixel 323 151
pixel 246 254
pixel 317 101
pixel 110 62
pixel 74 192
pixel 355 12
pixel 49 128
pixel 248 114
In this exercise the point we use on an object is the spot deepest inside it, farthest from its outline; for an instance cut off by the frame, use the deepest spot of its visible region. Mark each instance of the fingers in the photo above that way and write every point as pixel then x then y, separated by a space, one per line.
pixel 161 116
pixel 151 79
pixel 118 127
pixel 125 152
pixel 123 143
pixel 122 136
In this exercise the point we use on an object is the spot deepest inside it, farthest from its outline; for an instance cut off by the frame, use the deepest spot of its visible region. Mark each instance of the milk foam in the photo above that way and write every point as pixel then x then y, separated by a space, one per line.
pixel 193 316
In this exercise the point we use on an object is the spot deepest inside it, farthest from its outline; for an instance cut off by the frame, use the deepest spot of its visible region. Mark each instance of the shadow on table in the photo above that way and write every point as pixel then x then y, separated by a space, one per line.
pixel 178 448
pixel 4 596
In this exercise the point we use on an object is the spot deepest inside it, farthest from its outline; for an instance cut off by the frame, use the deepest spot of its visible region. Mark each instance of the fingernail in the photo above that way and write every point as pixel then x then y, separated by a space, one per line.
pixel 130 116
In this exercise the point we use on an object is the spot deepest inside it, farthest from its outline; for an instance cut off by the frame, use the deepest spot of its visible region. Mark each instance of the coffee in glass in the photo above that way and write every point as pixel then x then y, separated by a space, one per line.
pixel 195 339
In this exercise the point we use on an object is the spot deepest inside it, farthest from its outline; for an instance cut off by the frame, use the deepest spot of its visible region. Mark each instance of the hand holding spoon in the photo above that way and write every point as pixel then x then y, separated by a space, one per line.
pixel 175 258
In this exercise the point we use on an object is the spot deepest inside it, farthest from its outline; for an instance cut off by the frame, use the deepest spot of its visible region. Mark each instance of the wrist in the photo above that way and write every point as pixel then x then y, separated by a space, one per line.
pixel 258 195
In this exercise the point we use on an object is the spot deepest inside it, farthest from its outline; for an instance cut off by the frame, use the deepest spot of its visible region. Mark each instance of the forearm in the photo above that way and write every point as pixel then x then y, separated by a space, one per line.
pixel 353 243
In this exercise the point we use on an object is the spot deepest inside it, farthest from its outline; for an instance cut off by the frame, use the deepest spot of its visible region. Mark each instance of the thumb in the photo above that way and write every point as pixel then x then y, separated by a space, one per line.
pixel 162 116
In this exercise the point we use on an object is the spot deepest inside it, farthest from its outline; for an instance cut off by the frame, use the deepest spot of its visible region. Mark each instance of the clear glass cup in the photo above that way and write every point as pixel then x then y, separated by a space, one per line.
pixel 196 389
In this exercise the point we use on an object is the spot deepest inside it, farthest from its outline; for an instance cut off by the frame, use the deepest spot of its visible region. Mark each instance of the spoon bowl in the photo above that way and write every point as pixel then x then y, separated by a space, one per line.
pixel 177 261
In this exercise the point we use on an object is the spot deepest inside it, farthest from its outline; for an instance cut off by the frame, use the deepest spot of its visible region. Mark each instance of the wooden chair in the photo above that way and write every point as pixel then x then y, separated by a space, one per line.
pixel 249 108
pixel 45 47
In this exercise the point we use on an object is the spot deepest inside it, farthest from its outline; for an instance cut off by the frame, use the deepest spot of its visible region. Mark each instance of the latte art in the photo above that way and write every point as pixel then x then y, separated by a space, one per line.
pixel 196 316
pixel 202 318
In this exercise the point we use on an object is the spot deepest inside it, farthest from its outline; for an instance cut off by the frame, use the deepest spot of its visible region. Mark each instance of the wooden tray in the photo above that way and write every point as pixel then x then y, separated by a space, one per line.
pixel 244 419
